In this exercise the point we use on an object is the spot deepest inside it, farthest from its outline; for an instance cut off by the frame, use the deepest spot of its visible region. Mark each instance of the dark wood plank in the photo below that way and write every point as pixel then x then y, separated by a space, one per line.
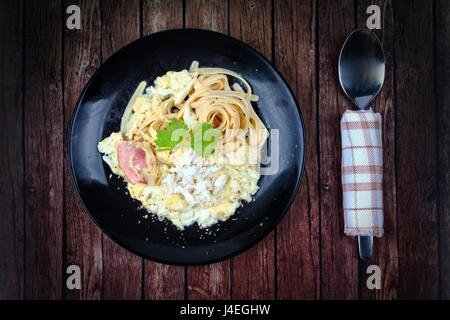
pixel 339 254
pixel 207 14
pixel 122 270
pixel 82 56
pixel 386 250
pixel 163 281
pixel 253 272
pixel 443 102
pixel 416 130
pixel 160 15
pixel 43 150
pixel 211 281
pixel 11 151
pixel 298 233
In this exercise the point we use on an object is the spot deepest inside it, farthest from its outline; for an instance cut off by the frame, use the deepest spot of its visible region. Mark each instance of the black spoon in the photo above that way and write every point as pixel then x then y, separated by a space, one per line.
pixel 361 75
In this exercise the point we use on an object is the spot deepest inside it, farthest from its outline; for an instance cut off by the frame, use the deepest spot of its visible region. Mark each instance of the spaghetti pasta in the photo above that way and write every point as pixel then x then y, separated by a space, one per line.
pixel 207 97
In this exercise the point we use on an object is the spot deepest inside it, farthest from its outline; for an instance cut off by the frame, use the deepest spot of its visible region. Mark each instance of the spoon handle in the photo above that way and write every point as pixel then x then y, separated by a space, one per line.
pixel 365 245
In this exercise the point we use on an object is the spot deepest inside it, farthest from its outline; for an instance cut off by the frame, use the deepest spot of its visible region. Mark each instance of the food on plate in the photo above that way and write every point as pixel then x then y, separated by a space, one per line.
pixel 189 145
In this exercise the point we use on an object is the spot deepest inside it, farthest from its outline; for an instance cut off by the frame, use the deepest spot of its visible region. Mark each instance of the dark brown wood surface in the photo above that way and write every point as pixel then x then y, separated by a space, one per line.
pixel 82 56
pixel 44 228
pixel 43 150
pixel 12 196
pixel 298 235
pixel 386 254
pixel 442 76
pixel 336 20
pixel 416 140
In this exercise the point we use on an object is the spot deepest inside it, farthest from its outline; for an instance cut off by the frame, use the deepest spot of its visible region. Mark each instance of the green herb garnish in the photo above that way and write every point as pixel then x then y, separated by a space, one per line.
pixel 204 138
pixel 172 135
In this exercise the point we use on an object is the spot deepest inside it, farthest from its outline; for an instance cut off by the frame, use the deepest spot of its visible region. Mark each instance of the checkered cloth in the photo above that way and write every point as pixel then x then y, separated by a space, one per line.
pixel 362 173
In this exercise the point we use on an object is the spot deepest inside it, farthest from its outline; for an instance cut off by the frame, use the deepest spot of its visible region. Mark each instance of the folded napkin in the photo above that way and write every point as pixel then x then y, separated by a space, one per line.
pixel 362 173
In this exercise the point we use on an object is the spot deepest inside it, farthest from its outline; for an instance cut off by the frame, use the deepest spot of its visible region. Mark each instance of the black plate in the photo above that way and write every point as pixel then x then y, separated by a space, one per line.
pixel 100 109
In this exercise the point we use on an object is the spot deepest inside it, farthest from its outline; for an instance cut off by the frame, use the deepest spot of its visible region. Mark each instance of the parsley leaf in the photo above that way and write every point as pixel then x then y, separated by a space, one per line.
pixel 204 138
pixel 168 138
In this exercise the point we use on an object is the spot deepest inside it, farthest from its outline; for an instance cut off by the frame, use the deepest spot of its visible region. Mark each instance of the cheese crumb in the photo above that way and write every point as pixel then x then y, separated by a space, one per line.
pixel 193 178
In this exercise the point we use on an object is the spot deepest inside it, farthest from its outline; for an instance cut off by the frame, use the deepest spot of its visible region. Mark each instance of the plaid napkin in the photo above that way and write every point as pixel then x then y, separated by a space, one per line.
pixel 362 173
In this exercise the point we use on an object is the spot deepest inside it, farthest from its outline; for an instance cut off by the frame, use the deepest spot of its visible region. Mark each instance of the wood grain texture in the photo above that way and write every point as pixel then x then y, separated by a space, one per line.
pixel 43 150
pixel 11 151
pixel 82 56
pixel 211 281
pixel 298 256
pixel 442 23
pixel 160 15
pixel 207 14
pixel 416 130
pixel 386 249
pixel 163 281
pixel 122 270
pixel 339 254
pixel 253 272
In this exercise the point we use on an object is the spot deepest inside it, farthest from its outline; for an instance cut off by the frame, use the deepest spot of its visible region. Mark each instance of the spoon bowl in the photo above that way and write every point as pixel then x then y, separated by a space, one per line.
pixel 361 67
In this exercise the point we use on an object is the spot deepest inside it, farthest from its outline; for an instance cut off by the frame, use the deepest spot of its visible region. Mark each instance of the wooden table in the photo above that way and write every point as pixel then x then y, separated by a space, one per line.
pixel 43 228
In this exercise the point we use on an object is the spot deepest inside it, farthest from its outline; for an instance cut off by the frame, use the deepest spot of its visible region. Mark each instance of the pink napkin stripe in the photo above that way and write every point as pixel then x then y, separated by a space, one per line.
pixel 362 169
pixel 361 125
pixel 363 230
pixel 361 186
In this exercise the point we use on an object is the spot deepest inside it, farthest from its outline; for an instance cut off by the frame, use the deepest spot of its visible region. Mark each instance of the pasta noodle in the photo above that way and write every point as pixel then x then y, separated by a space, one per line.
pixel 209 98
